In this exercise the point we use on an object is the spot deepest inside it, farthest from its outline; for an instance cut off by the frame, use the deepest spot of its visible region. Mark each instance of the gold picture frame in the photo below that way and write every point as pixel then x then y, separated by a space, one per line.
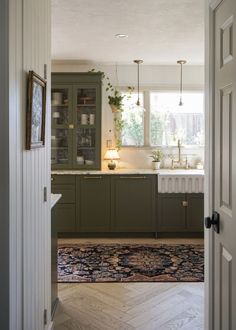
pixel 36 111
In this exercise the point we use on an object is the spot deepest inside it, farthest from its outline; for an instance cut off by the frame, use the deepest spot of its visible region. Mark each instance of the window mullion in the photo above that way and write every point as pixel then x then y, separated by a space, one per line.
pixel 146 103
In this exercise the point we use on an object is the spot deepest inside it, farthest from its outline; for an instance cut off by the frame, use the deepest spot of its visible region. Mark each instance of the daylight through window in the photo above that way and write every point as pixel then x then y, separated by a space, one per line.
pixel 164 120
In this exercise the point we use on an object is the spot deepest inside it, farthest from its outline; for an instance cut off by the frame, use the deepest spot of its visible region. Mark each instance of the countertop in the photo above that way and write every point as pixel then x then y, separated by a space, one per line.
pixel 54 199
pixel 187 172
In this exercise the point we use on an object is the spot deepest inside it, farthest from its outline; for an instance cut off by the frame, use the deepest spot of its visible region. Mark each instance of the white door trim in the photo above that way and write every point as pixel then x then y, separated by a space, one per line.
pixel 209 156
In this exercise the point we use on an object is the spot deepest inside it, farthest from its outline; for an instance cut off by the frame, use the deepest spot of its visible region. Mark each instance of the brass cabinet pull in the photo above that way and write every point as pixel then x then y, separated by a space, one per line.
pixel 133 177
pixel 71 126
pixel 92 177
pixel 184 203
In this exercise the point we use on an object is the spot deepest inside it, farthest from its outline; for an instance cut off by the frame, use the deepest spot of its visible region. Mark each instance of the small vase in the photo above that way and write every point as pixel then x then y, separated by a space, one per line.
pixel 156 165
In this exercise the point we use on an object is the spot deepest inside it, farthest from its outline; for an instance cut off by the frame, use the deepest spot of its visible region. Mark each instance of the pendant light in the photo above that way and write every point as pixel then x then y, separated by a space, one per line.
pixel 181 62
pixel 138 62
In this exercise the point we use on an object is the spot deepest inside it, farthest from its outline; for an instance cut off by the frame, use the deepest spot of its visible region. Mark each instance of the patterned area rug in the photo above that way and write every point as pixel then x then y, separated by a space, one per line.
pixel 130 263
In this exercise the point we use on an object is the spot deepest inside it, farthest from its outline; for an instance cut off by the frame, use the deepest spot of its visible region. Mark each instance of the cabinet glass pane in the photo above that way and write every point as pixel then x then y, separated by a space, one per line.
pixel 86 96
pixel 86 126
pixel 59 146
pixel 86 146
pixel 86 106
pixel 60 106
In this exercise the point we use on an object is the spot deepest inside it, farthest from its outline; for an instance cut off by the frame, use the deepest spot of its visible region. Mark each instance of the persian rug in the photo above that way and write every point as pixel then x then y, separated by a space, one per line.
pixel 130 263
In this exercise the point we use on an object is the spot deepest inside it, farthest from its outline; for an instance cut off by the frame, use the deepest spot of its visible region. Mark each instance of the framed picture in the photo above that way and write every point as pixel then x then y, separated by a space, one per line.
pixel 36 111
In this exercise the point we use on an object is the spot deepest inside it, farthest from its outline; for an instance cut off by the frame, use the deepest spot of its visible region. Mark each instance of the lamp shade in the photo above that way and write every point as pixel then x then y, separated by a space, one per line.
pixel 111 154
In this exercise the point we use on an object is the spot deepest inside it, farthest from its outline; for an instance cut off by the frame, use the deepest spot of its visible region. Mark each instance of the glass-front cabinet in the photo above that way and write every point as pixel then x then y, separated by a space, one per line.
pixel 76 121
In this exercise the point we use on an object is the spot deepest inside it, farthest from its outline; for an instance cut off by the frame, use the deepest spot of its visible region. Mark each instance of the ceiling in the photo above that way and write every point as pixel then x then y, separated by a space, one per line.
pixel 159 31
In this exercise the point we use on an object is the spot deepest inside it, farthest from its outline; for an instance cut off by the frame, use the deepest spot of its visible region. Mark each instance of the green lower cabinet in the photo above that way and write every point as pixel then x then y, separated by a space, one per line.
pixel 180 212
pixel 65 217
pixel 195 212
pixel 93 203
pixel 133 203
pixel 171 213
pixel 54 286
pixel 64 213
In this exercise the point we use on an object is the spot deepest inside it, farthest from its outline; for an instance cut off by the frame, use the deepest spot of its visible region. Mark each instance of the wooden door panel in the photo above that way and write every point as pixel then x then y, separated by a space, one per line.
pixel 225 191
pixel 224 165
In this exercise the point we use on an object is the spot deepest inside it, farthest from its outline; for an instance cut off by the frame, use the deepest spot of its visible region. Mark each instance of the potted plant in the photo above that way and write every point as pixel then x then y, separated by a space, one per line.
pixel 157 156
pixel 115 100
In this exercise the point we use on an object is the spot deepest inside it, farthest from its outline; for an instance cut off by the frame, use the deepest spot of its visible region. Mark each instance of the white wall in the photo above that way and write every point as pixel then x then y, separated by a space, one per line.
pixel 151 76
pixel 4 167
pixel 28 34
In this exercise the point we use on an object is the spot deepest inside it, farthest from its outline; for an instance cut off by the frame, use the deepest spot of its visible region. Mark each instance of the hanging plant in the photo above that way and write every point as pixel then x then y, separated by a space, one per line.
pixel 115 100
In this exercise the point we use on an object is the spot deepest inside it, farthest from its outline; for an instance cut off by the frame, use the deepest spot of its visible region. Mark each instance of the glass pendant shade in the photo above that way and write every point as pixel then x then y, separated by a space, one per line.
pixel 138 105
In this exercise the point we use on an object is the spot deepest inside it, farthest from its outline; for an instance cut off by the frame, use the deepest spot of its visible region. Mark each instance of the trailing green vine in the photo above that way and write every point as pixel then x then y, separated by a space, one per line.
pixel 115 100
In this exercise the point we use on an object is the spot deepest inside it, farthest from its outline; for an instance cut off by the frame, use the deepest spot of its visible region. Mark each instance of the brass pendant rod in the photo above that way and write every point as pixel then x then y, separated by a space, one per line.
pixel 181 62
pixel 138 62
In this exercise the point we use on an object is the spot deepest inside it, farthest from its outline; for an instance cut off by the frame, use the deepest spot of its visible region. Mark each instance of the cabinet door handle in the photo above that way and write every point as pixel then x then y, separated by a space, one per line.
pixel 133 177
pixel 71 126
pixel 92 177
pixel 184 203
pixel 52 179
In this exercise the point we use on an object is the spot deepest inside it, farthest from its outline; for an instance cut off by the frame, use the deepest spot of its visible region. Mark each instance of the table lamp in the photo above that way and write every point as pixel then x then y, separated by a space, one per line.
pixel 111 155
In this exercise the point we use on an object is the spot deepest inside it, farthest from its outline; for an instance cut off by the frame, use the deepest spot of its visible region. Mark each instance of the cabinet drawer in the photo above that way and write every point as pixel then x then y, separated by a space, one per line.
pixel 67 191
pixel 64 217
pixel 62 179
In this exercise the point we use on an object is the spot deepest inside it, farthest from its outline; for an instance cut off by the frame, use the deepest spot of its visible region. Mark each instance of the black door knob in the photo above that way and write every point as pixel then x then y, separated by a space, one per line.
pixel 213 221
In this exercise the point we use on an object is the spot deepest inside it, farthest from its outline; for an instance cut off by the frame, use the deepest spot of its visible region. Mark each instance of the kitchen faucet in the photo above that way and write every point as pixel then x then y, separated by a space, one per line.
pixel 179 160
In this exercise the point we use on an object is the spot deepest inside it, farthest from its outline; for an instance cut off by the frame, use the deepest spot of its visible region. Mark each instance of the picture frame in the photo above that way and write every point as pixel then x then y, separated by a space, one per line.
pixel 36 111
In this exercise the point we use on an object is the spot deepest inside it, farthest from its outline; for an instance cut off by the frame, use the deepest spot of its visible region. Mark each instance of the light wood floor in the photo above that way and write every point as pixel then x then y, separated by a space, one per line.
pixel 129 306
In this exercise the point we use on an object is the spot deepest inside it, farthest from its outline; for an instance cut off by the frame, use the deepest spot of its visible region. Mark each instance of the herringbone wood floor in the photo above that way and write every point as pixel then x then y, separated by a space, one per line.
pixel 129 306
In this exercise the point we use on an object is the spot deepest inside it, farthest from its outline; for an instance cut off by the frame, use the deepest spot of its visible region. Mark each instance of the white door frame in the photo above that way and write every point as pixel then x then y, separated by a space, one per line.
pixel 210 6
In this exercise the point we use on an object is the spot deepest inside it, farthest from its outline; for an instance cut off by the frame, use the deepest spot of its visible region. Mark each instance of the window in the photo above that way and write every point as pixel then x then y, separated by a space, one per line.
pixel 133 130
pixel 164 121
pixel 170 122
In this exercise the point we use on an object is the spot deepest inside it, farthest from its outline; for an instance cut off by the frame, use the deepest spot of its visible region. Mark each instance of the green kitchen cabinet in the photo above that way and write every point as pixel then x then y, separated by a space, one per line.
pixel 76 121
pixel 195 212
pixel 133 203
pixel 180 212
pixel 65 217
pixel 64 213
pixel 93 203
pixel 54 284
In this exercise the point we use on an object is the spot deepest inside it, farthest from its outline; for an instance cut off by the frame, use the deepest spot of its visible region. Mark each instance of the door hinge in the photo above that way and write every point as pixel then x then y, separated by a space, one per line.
pixel 45 71
pixel 45 316
pixel 45 194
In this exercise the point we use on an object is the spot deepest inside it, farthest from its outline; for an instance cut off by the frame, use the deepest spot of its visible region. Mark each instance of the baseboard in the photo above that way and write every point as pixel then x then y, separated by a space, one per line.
pixel 133 235
pixel 106 235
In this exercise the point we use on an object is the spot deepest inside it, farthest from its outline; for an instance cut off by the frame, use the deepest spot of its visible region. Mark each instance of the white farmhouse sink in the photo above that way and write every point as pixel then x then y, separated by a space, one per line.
pixel 181 181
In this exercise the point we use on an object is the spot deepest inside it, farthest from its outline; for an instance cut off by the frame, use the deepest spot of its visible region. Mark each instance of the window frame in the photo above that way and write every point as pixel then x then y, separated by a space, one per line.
pixel 146 103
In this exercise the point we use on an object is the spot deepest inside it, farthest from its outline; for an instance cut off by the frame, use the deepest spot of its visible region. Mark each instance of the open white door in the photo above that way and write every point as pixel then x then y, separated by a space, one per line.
pixel 221 169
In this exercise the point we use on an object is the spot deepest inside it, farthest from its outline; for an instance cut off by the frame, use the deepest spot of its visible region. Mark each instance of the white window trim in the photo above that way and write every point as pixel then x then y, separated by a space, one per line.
pixel 146 90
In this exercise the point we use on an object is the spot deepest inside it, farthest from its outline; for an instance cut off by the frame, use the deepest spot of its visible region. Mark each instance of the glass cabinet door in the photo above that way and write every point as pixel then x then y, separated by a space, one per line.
pixel 86 132
pixel 61 136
